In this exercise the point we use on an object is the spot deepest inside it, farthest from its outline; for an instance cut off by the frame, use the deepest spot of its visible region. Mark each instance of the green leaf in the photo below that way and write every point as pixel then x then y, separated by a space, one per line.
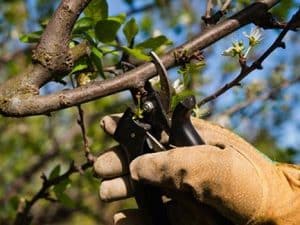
pixel 154 42
pixel 65 199
pixel 283 9
pixel 14 202
pixel 119 18
pixel 59 191
pixel 96 57
pixel 97 52
pixel 61 187
pixel 106 30
pixel 43 23
pixel 179 97
pixel 97 10
pixel 81 65
pixel 137 53
pixel 54 172
pixel 83 24
pixel 31 37
pixel 89 36
pixel 189 70
pixel 146 24
pixel 130 30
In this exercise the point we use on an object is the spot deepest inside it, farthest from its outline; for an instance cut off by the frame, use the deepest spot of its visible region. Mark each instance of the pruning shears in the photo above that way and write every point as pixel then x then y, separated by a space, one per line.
pixel 143 134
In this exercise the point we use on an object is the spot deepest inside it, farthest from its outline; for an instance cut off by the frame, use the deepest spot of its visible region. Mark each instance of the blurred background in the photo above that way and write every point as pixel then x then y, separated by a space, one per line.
pixel 265 110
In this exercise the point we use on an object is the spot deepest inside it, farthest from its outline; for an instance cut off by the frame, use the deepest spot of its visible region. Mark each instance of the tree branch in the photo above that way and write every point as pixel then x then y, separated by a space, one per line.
pixel 210 19
pixel 86 146
pixel 18 104
pixel 53 49
pixel 209 6
pixel 262 97
pixel 51 56
pixel 23 217
pixel 53 151
pixel 246 70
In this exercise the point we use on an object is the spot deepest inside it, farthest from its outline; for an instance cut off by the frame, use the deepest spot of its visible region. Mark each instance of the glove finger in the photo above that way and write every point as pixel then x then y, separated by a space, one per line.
pixel 116 189
pixel 179 214
pixel 173 168
pixel 109 123
pixel 112 163
pixel 130 217
pixel 223 178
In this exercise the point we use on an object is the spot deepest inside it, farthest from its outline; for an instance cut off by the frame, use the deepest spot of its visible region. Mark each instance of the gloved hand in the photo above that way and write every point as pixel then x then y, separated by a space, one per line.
pixel 226 181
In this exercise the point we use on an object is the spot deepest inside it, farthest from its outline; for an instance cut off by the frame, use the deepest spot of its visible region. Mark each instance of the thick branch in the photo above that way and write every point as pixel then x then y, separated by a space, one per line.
pixel 53 48
pixel 35 105
pixel 52 54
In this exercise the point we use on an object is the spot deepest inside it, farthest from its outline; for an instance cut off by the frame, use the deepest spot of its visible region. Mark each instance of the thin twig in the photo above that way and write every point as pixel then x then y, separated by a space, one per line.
pixel 111 69
pixel 257 65
pixel 209 6
pixel 81 122
pixel 226 5
pixel 23 217
pixel 211 19
pixel 18 184
pixel 262 97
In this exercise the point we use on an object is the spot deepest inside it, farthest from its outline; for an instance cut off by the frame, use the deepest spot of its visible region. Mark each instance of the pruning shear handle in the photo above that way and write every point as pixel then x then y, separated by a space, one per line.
pixel 138 136
pixel 182 131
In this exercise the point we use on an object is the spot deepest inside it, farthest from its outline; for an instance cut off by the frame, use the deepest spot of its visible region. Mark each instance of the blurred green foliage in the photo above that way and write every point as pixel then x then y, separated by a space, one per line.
pixel 47 144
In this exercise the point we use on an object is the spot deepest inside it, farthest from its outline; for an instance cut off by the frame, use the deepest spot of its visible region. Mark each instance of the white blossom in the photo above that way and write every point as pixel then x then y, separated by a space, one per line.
pixel 155 81
pixel 199 112
pixel 254 37
pixel 83 79
pixel 228 52
pixel 15 34
pixel 178 86
pixel 237 48
pixel 156 33
pixel 185 18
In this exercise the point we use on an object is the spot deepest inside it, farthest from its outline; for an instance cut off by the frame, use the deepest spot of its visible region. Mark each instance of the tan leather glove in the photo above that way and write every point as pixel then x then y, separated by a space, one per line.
pixel 225 181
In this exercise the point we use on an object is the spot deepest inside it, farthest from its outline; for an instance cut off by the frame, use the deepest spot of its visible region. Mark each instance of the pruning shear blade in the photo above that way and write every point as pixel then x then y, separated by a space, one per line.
pixel 165 88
